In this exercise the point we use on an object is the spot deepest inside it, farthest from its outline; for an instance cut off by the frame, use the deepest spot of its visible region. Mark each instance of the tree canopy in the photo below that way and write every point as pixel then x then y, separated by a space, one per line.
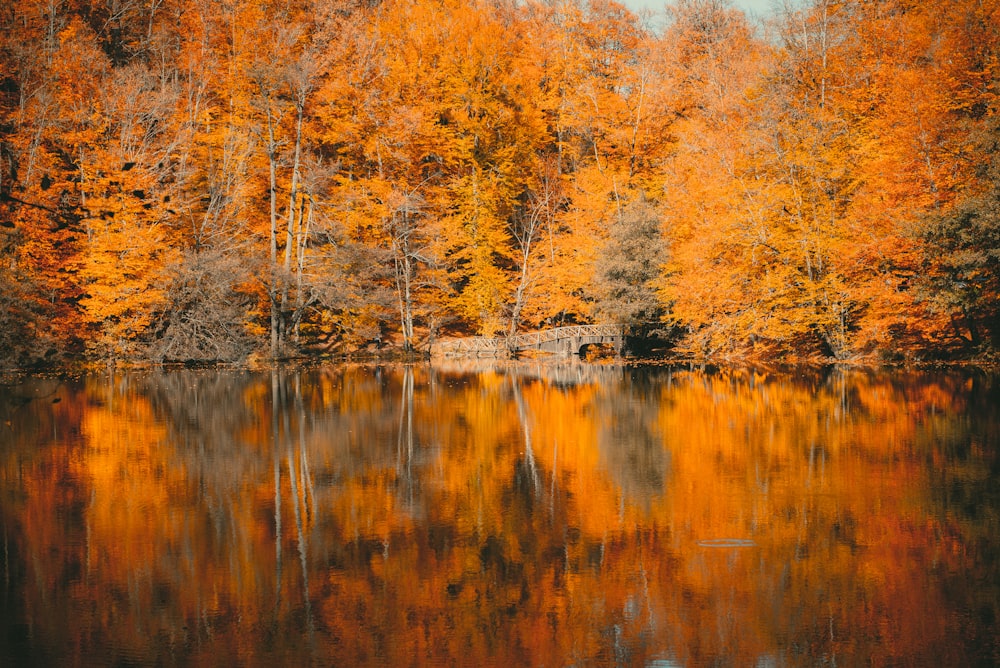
pixel 182 181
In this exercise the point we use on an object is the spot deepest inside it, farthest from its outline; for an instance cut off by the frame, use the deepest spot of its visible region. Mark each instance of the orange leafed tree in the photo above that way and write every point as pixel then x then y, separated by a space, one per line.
pixel 180 181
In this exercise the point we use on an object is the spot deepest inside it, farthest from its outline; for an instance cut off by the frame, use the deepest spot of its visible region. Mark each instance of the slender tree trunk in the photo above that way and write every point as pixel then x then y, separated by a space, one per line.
pixel 404 261
pixel 292 218
pixel 272 148
pixel 304 221
pixel 404 293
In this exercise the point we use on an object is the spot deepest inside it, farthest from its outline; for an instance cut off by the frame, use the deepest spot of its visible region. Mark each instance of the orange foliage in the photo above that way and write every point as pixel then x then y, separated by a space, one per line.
pixel 358 172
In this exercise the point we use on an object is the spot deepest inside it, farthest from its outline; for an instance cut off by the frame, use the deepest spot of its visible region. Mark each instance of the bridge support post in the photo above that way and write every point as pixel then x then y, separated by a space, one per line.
pixel 572 346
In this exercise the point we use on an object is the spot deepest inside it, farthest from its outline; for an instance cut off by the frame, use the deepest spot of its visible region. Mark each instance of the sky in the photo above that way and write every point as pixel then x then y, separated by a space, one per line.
pixel 755 7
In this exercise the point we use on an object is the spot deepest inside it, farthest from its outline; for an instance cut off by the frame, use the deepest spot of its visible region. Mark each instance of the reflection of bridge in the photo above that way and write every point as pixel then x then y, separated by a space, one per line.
pixel 569 340
pixel 557 371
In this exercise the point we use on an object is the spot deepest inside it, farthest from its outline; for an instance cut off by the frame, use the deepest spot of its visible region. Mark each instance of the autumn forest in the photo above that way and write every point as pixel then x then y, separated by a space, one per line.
pixel 182 180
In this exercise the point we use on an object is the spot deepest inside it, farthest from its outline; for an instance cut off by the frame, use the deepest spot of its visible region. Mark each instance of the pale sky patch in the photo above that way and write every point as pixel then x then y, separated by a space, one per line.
pixel 757 8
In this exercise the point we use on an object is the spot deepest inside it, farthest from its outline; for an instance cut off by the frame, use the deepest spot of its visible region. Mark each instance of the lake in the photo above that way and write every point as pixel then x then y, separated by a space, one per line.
pixel 501 514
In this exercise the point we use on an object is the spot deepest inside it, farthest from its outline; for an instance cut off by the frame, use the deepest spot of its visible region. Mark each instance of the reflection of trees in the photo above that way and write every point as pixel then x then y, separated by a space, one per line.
pixel 358 515
pixel 530 468
pixel 30 408
pixel 630 443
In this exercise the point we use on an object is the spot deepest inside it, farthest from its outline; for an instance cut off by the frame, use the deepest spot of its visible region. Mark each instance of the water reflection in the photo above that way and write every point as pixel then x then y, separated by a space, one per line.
pixel 515 514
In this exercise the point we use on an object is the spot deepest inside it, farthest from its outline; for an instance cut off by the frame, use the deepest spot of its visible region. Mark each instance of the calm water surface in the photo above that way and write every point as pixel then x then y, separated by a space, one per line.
pixel 504 516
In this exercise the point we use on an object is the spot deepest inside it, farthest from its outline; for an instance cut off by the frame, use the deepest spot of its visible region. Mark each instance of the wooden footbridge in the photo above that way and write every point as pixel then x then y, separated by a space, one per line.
pixel 569 340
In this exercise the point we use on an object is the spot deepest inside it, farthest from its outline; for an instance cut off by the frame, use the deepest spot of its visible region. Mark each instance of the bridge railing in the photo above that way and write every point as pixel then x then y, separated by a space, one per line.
pixel 473 344
pixel 495 345
pixel 567 332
